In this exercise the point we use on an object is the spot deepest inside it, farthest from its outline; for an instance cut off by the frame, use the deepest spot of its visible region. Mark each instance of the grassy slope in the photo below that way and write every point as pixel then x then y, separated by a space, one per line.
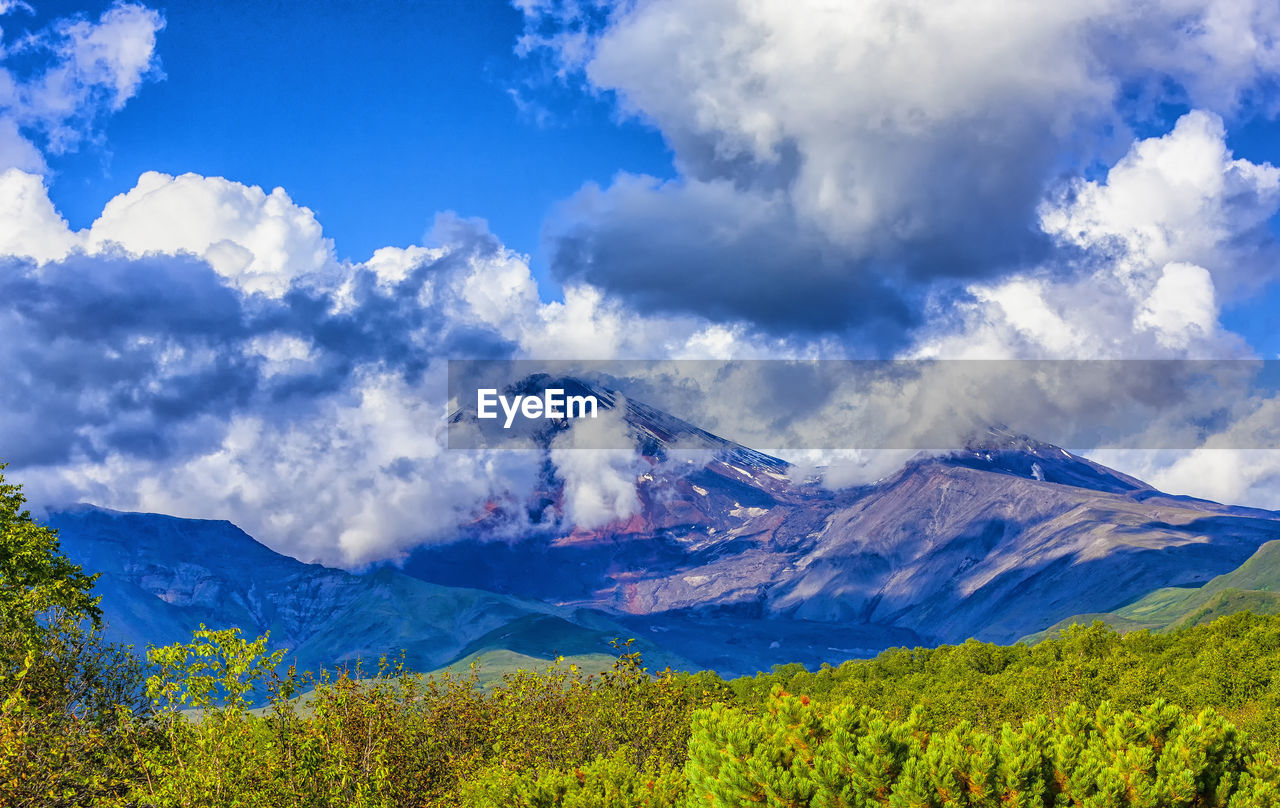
pixel 1253 586
pixel 492 665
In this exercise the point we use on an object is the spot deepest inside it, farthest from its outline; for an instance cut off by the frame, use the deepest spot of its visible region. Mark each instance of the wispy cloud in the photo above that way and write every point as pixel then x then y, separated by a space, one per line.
pixel 77 70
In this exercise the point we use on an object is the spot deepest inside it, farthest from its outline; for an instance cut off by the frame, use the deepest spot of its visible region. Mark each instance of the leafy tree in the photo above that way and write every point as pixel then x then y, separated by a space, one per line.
pixel 216 755
pixel 65 695
pixel 67 720
pixel 37 582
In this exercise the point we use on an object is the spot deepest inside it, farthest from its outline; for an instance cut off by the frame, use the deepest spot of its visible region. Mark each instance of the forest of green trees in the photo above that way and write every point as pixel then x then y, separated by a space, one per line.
pixel 1089 718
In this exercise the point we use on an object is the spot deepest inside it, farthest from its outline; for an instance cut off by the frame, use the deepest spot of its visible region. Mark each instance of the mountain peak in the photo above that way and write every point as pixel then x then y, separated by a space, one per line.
pixel 1001 450
pixel 999 437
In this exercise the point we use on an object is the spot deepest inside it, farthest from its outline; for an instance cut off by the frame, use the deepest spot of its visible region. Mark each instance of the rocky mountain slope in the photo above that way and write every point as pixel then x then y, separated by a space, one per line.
pixel 996 540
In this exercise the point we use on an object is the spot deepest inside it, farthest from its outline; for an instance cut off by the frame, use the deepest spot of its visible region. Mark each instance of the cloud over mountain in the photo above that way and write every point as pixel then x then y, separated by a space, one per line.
pixel 200 350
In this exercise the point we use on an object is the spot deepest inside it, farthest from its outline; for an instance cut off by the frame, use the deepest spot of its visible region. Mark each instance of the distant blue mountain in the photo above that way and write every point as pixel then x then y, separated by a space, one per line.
pixel 162 576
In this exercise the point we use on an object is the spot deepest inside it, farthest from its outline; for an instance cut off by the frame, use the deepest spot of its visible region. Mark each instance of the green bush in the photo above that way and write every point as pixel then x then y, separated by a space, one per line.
pixel 609 781
pixel 796 754
pixel 1231 665
pixel 401 739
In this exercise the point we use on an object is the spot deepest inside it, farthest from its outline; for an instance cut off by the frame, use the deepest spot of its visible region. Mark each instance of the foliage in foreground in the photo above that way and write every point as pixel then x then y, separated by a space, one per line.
pixel 395 739
pixel 797 755
pixel 628 739
pixel 1231 665
pixel 65 696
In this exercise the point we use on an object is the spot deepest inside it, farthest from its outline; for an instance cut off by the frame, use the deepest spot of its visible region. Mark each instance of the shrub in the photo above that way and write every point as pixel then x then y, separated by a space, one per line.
pixel 796 754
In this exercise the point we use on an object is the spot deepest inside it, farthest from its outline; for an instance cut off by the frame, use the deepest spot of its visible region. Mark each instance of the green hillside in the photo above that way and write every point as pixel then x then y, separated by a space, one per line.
pixel 1254 586
pixel 492 666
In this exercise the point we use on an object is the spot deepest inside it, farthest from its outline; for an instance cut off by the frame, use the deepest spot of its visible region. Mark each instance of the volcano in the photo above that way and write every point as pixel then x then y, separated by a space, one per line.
pixel 738 565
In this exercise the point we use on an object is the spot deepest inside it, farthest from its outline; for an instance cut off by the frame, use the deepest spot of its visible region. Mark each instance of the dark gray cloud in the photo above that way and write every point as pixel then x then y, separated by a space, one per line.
pixel 150 356
pixel 107 354
pixel 736 240
pixel 711 250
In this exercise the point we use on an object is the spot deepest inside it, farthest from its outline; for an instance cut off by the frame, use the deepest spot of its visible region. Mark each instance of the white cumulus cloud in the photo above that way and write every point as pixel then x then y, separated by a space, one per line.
pixel 599 484
pixel 1146 255
pixel 260 241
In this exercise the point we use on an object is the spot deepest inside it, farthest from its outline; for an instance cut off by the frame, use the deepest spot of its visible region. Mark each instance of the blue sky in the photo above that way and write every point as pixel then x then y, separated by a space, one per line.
pixel 647 179
pixel 376 116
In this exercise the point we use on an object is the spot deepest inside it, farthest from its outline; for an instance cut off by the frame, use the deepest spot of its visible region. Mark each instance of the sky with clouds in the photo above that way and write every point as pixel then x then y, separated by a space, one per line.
pixel 239 242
